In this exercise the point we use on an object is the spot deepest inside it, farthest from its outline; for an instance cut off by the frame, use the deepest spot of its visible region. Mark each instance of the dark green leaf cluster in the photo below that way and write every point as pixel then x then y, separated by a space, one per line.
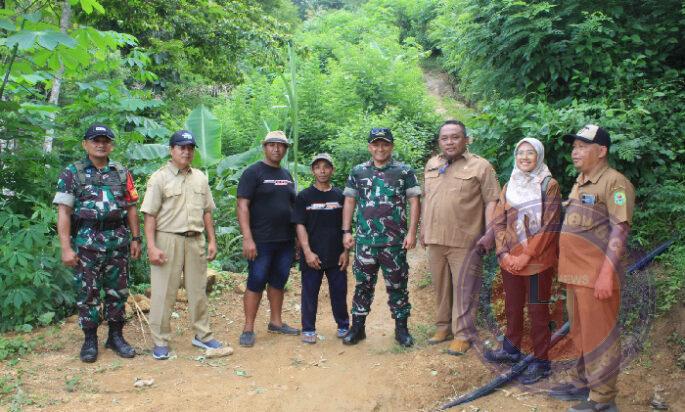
pixel 559 48
pixel 198 40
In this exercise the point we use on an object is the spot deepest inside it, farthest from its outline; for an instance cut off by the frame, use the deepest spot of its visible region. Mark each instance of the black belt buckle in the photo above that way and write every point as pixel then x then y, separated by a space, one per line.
pixel 189 233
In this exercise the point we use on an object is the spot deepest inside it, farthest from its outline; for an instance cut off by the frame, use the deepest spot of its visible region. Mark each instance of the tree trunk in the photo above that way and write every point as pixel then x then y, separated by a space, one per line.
pixel 57 81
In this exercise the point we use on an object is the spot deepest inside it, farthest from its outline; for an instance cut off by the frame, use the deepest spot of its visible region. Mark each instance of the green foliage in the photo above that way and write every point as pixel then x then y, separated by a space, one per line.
pixel 352 74
pixel 34 285
pixel 16 346
pixel 192 41
pixel 206 129
pixel 670 280
pixel 558 48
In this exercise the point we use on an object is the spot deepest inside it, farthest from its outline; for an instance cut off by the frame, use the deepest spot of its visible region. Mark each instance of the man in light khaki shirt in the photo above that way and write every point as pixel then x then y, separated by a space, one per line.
pixel 460 194
pixel 178 208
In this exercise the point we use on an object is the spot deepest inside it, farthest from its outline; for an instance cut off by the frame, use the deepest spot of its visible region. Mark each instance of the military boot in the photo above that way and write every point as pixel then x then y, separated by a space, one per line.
pixel 89 350
pixel 357 331
pixel 116 341
pixel 402 335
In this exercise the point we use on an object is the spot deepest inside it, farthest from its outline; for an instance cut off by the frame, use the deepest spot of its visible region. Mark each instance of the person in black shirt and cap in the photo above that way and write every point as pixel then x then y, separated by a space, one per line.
pixel 266 193
pixel 318 219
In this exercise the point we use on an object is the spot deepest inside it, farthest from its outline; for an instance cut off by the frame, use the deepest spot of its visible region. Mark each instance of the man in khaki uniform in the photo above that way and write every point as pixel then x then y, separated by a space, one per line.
pixel 591 244
pixel 178 208
pixel 460 194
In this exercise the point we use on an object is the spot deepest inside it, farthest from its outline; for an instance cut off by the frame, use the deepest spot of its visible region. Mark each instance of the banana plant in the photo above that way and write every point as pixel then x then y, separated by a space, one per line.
pixel 207 131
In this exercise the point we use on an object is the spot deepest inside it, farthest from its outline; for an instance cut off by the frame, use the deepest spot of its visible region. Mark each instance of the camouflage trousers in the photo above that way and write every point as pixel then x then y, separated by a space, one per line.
pixel 392 260
pixel 96 271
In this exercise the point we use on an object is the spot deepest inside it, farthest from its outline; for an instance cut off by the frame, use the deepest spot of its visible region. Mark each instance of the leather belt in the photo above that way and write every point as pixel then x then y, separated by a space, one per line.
pixel 189 233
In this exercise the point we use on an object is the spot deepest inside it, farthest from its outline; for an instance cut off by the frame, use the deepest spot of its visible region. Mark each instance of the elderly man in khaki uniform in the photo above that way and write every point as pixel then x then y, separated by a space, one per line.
pixel 460 194
pixel 178 208
pixel 591 243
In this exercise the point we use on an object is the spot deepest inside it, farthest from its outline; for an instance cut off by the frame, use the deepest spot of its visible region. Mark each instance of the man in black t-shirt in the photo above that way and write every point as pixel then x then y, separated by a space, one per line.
pixel 318 216
pixel 266 194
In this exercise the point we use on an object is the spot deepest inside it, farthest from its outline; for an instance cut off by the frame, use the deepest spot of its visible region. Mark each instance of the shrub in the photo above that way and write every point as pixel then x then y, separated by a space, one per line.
pixel 34 285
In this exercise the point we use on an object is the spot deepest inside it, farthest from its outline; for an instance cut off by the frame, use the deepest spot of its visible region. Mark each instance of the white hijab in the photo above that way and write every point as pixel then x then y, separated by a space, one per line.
pixel 524 191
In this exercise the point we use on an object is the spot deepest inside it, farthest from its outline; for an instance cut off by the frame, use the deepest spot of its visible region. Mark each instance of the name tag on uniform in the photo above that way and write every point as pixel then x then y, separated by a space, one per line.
pixel 588 199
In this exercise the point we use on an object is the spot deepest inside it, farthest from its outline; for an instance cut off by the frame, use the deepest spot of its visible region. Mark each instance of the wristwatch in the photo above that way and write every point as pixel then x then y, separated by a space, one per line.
pixel 137 238
pixel 347 231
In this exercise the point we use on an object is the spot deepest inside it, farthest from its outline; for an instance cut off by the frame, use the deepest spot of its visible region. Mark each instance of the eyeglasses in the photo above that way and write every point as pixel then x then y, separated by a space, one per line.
pixel 526 153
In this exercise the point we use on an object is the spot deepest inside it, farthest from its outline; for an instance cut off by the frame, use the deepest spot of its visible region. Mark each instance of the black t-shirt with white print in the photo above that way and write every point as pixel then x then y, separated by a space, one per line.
pixel 271 192
pixel 321 213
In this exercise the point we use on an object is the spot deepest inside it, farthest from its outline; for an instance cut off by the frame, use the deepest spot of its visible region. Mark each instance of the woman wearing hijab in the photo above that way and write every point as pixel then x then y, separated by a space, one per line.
pixel 526 234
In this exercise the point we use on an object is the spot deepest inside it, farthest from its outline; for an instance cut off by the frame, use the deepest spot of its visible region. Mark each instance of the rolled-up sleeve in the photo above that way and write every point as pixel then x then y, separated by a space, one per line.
pixel 66 189
pixel 351 186
pixel 412 186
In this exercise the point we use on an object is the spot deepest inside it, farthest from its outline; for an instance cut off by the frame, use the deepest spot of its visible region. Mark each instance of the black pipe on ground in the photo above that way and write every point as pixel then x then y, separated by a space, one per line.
pixel 518 368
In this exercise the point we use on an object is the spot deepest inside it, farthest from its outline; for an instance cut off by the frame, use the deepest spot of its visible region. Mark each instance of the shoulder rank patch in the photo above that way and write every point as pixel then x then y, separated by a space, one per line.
pixel 619 198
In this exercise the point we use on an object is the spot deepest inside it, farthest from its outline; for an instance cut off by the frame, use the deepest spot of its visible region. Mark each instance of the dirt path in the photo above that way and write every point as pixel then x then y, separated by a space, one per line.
pixel 283 374
pixel 447 105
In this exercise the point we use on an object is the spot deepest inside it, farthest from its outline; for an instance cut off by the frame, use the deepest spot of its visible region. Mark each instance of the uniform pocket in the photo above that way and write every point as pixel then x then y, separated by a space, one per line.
pixel 172 191
pixel 89 192
pixel 465 184
pixel 431 180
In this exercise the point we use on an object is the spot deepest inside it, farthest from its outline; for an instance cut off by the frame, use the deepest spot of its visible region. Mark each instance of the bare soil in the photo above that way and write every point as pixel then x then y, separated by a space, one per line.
pixel 280 373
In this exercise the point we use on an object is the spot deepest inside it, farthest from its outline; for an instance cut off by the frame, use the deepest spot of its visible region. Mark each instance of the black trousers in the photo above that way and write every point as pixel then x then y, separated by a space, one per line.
pixel 337 287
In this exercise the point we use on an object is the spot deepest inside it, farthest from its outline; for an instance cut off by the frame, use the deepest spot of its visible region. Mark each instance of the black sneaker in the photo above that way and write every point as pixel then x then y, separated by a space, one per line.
pixel 535 371
pixel 501 356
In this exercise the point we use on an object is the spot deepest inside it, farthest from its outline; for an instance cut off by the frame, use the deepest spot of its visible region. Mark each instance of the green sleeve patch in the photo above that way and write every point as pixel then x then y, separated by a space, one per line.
pixel 619 198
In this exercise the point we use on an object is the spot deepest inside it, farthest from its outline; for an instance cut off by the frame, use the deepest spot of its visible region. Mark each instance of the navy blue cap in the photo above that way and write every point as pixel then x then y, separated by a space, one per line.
pixel 381 133
pixel 97 129
pixel 182 138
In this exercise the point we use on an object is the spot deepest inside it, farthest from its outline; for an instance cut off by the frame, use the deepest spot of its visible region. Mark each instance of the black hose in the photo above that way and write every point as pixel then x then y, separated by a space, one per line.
pixel 518 368
pixel 507 376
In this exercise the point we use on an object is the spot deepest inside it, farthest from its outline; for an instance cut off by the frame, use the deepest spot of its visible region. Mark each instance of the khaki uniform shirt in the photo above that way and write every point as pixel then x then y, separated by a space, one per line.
pixel 455 200
pixel 596 202
pixel 178 199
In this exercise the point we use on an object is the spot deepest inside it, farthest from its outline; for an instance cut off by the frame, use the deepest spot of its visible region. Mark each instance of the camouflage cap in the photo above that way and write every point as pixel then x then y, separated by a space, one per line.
pixel 322 156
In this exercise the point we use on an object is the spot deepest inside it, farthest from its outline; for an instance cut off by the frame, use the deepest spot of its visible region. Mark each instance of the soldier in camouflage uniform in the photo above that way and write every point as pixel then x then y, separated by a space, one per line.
pixel 380 189
pixel 96 202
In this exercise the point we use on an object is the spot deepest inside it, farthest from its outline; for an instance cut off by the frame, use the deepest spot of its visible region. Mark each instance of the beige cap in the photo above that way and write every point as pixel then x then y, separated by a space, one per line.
pixel 276 136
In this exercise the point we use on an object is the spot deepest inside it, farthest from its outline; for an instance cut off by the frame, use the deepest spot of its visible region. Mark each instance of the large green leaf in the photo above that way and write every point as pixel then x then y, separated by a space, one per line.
pixel 49 39
pixel 238 160
pixel 134 104
pixel 147 151
pixel 89 5
pixel 6 24
pixel 206 128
